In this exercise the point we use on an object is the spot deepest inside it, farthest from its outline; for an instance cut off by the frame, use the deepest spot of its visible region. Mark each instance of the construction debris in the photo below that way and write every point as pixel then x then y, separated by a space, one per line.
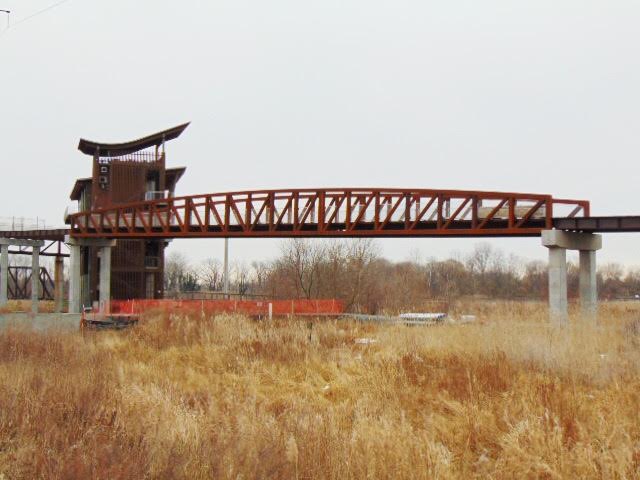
pixel 101 321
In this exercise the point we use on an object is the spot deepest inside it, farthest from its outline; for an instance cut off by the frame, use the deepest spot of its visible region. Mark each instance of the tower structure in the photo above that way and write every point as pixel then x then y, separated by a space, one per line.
pixel 124 173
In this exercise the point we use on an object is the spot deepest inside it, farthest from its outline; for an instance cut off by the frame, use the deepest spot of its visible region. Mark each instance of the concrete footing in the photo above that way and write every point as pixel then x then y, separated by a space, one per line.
pixel 558 242
pixel 42 322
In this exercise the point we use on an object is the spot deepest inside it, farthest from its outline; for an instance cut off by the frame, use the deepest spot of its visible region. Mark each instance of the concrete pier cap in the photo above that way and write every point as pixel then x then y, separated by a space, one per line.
pixel 19 242
pixel 89 242
pixel 558 242
pixel 571 240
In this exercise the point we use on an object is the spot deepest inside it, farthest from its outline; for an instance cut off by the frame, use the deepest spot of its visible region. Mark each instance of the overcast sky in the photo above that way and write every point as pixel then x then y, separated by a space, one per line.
pixel 536 96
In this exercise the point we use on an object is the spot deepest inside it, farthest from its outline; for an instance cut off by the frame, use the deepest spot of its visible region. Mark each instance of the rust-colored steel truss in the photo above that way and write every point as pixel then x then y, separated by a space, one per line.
pixel 350 212
pixel 21 283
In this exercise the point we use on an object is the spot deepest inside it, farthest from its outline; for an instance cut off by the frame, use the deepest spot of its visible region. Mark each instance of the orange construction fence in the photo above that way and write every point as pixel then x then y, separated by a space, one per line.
pixel 246 307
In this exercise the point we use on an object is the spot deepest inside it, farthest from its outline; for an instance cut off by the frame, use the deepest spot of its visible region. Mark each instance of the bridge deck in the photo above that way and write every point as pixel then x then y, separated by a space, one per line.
pixel 53 235
pixel 608 224
pixel 599 224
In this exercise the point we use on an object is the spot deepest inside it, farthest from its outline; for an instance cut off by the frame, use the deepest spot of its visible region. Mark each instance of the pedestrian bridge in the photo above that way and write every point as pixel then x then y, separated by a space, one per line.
pixel 344 212
pixel 563 224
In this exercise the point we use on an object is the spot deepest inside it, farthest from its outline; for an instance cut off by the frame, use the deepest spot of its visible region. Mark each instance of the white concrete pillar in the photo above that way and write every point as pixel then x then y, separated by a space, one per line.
pixel 4 274
pixel 226 267
pixel 105 279
pixel 558 242
pixel 75 279
pixel 58 280
pixel 588 287
pixel 35 279
pixel 558 311
pixel 86 295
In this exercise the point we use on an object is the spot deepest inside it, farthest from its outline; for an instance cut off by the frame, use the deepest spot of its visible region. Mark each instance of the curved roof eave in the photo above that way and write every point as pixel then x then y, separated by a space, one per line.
pixel 118 149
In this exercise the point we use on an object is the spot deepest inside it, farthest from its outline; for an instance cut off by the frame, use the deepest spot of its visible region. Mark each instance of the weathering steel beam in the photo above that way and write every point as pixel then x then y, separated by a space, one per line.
pixel 350 212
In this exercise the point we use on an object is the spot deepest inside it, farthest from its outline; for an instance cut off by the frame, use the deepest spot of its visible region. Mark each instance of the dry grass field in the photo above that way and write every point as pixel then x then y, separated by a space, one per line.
pixel 227 397
pixel 44 306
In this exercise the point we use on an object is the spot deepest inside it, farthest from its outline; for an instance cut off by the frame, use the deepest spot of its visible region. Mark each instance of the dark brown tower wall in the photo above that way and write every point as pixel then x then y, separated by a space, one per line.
pixel 127 270
pixel 119 182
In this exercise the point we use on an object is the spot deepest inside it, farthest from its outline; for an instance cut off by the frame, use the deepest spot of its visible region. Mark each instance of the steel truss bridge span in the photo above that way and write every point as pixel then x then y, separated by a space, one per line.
pixel 349 212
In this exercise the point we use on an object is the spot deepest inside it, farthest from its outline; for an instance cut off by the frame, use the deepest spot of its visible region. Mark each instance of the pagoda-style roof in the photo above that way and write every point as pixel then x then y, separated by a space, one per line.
pixel 119 149
pixel 172 175
pixel 80 185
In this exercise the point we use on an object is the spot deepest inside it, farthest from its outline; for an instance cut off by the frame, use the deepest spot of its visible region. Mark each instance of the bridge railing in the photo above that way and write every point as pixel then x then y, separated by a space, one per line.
pixel 331 212
pixel 19 224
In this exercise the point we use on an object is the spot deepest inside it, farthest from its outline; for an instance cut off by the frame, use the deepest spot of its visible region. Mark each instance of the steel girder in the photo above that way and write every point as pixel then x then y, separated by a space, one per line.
pixel 348 212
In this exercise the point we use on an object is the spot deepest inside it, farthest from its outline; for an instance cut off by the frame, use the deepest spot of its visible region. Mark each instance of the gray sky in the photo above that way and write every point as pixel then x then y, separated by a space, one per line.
pixel 539 96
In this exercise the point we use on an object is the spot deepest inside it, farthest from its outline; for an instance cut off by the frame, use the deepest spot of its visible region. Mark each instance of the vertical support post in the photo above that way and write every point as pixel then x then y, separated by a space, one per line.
pixel 226 267
pixel 105 279
pixel 75 280
pixel 558 242
pixel 58 280
pixel 86 275
pixel 35 279
pixel 4 274
pixel 588 287
pixel 558 285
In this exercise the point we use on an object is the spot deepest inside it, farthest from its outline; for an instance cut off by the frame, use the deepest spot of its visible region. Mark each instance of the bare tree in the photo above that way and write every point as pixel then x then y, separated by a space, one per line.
pixel 611 281
pixel 179 276
pixel 301 259
pixel 534 280
pixel 361 253
pixel 479 260
pixel 211 274
pixel 261 273
pixel 241 277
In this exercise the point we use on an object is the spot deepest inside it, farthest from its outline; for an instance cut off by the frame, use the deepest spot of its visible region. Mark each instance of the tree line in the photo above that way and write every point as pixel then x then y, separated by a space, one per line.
pixel 355 272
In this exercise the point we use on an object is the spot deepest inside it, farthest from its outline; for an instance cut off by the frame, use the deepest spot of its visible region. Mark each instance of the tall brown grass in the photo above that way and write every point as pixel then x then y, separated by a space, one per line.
pixel 13 306
pixel 227 397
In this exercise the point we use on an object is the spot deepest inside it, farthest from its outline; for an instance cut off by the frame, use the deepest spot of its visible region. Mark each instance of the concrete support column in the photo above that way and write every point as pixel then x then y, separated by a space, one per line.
pixel 35 279
pixel 558 285
pixel 105 279
pixel 76 247
pixel 588 287
pixel 75 280
pixel 226 268
pixel 86 271
pixel 58 281
pixel 558 242
pixel 4 275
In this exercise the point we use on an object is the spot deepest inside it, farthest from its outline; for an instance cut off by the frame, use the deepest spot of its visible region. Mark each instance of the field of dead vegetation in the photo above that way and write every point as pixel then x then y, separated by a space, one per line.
pixel 228 397
pixel 44 306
